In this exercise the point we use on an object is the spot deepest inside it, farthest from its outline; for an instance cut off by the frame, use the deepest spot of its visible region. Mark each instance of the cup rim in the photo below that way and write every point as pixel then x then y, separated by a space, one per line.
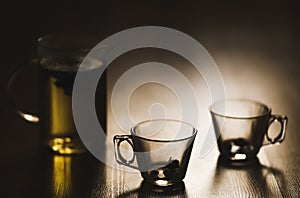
pixel 42 42
pixel 267 112
pixel 195 131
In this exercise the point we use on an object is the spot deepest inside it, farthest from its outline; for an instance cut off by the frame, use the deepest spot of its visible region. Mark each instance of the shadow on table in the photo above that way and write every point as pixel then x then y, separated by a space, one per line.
pixel 148 190
pixel 63 176
pixel 247 179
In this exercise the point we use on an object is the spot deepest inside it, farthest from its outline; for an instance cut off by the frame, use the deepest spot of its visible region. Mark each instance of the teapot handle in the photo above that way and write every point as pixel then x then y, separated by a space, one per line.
pixel 30 117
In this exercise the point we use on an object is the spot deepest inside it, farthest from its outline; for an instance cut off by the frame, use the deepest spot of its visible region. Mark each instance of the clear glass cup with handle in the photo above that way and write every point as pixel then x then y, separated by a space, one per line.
pixel 242 126
pixel 162 149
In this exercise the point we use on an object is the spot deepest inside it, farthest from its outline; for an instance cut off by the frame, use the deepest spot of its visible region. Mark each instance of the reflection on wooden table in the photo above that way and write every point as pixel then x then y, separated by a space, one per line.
pixel 85 176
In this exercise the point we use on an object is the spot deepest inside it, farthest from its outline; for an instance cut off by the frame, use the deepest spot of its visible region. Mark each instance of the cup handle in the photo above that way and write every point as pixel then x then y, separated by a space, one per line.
pixel 282 119
pixel 118 139
pixel 27 116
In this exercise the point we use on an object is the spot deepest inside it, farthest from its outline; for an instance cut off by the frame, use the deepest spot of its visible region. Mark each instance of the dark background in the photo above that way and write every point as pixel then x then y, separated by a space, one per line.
pixel 272 27
pixel 256 42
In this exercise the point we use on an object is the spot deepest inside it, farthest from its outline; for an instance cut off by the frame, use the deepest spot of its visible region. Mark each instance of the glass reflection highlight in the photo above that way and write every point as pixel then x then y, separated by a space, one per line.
pixel 29 117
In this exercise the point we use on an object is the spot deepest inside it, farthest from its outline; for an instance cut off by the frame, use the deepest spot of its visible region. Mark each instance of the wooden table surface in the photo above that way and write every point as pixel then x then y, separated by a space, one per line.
pixel 256 47
pixel 29 171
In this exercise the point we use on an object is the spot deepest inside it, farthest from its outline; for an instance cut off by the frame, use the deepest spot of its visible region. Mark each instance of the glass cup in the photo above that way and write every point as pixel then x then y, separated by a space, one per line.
pixel 162 149
pixel 59 58
pixel 242 126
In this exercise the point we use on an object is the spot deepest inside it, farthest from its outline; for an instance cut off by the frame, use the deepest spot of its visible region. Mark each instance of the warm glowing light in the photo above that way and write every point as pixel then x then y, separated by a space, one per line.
pixel 67 151
pixel 60 145
pixel 55 148
pixel 62 182
pixel 58 141
pixel 161 173
pixel 240 156
pixel 161 182
pixel 29 118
